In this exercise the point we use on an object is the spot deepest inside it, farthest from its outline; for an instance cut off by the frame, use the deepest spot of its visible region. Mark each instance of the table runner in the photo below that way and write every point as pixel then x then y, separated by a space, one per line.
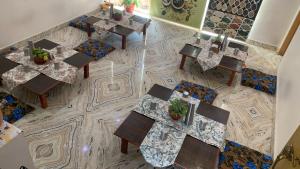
pixel 20 58
pixel 102 26
pixel 203 59
pixel 240 56
pixel 203 128
pixel 66 53
pixel 162 145
pixel 136 26
pixel 17 76
pixel 66 72
pixel 206 62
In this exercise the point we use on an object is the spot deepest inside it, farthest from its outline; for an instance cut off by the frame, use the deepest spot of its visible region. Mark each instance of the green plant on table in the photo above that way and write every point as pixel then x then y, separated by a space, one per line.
pixel 178 107
pixel 38 52
pixel 129 2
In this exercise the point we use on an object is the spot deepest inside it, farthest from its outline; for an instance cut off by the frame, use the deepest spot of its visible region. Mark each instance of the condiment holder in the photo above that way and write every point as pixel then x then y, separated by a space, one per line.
pixel 130 21
pixel 26 51
pixel 236 51
pixel 56 65
pixel 106 21
pixel 59 50
pixel 198 40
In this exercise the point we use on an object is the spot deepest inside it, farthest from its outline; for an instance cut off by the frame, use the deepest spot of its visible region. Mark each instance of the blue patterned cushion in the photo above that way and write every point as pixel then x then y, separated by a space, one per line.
pixel 14 110
pixel 236 156
pixel 202 93
pixel 259 80
pixel 80 23
pixel 95 48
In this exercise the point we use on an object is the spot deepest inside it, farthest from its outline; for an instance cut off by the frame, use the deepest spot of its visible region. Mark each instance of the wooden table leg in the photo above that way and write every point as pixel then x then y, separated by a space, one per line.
pixel 231 78
pixel 182 61
pixel 43 100
pixel 124 42
pixel 89 30
pixel 145 30
pixel 86 71
pixel 124 146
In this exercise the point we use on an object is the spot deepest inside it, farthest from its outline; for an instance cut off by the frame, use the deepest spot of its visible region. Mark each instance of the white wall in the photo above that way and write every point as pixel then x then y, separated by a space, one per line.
pixel 287 117
pixel 273 21
pixel 21 19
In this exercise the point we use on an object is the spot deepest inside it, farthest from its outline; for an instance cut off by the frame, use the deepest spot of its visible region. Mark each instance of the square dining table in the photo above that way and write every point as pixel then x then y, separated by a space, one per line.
pixel 194 153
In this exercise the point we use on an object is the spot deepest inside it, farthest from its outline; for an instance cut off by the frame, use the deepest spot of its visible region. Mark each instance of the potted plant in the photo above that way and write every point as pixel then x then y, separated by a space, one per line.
pixel 130 4
pixel 117 16
pixel 40 56
pixel 178 109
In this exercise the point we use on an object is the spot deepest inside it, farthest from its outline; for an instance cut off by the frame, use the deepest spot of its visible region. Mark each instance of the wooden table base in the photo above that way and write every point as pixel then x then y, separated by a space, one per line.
pixel 231 78
pixel 124 146
pixel 124 40
pixel 43 100
pixel 89 30
pixel 182 62
pixel 145 30
pixel 86 71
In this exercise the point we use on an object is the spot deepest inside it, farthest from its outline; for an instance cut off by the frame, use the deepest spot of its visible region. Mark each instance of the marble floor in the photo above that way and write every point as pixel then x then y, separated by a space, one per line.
pixel 76 131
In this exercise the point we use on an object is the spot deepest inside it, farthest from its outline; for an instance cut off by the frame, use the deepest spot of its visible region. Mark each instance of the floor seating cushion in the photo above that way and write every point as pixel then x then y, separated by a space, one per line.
pixel 7 51
pixel 259 80
pixel 80 23
pixel 236 156
pixel 14 110
pixel 95 48
pixel 202 93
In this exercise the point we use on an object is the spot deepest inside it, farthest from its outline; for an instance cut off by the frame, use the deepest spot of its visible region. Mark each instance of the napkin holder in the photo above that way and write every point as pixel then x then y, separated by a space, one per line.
pixel 189 117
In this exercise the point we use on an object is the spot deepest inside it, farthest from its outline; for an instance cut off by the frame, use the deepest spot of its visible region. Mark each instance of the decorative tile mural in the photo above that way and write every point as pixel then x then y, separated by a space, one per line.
pixel 232 17
pixel 186 12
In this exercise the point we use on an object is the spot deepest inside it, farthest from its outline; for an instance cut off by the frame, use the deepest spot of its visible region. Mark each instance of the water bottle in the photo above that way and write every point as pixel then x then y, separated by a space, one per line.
pixel 190 115
pixel 225 42
pixel 111 11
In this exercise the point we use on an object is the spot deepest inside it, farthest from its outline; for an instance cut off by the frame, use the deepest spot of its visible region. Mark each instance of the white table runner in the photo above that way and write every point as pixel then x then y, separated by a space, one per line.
pixel 136 26
pixel 17 76
pixel 204 129
pixel 162 145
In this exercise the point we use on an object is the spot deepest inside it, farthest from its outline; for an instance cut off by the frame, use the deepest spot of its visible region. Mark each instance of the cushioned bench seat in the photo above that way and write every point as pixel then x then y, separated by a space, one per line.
pixel 14 109
pixel 259 80
pixel 95 48
pixel 80 23
pixel 202 93
pixel 236 156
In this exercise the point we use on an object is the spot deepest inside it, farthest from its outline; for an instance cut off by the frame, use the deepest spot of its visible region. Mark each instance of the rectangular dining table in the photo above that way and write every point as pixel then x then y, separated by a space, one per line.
pixel 194 153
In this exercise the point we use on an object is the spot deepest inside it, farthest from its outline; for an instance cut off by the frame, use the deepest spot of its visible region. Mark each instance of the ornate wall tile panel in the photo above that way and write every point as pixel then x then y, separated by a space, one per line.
pixel 233 17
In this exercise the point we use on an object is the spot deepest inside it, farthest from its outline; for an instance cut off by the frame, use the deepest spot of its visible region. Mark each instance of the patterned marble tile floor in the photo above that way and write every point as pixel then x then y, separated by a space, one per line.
pixel 76 131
